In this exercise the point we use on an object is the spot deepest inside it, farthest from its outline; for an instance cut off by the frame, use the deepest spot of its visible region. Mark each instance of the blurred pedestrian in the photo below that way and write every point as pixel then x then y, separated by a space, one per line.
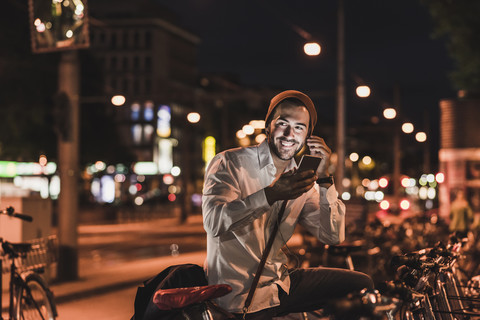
pixel 461 215
pixel 244 191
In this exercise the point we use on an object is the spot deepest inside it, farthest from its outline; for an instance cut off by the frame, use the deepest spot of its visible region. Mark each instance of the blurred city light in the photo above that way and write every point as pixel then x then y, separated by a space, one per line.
pixel 168 179
pixel 163 121
pixel 258 124
pixel 431 193
pixel 366 182
pixel 145 167
pixel 354 157
pixel 405 182
pixel 209 149
pixel 100 165
pixel 193 117
pixel 164 155
pixel 363 91
pixel 107 187
pixel 383 182
pixel 138 201
pixel 248 129
pixel 346 196
pixel 407 127
pixel 260 138
pixel 54 187
pixel 405 204
pixel 389 113
pixel 379 195
pixel 175 171
pixel 367 160
pixel 440 177
pixel 384 204
pixel 421 136
pixel 312 48
pixel 241 134
pixel 118 100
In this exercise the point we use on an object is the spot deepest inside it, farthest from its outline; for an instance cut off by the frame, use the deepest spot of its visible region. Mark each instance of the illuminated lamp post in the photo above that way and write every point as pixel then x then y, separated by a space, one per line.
pixel 313 49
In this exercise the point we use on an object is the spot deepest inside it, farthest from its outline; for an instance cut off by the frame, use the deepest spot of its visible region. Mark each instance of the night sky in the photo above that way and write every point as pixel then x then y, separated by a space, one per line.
pixel 388 43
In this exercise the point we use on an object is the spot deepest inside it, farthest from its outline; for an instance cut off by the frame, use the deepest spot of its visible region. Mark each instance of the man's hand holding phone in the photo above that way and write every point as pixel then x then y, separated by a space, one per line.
pixel 319 148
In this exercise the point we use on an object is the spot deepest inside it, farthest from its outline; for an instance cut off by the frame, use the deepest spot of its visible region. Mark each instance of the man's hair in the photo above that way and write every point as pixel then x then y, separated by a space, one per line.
pixel 293 101
pixel 296 97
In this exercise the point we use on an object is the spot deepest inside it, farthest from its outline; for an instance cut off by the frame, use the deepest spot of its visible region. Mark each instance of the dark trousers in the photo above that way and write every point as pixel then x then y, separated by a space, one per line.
pixel 312 288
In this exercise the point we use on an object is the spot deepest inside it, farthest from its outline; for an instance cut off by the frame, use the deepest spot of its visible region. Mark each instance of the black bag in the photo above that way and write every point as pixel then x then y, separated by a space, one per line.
pixel 178 276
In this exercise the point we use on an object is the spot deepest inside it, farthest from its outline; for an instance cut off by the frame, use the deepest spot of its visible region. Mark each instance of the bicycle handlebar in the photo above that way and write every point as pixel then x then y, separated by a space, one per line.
pixel 10 211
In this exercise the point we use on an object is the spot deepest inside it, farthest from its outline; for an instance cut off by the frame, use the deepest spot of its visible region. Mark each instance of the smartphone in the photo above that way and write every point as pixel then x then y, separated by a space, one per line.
pixel 309 162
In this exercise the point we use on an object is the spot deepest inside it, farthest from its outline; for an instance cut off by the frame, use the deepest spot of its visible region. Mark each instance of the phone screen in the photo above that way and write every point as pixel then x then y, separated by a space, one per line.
pixel 309 162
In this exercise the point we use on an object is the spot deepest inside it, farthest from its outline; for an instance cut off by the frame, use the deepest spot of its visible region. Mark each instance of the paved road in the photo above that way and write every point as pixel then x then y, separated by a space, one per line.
pixel 117 305
pixel 116 256
pixel 101 245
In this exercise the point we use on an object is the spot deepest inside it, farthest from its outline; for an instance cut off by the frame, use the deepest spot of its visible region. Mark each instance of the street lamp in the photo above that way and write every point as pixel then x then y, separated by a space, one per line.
pixel 363 91
pixel 407 127
pixel 118 100
pixel 312 48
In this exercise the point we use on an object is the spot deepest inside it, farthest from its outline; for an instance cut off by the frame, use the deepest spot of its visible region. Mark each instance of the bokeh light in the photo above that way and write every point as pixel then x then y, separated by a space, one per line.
pixel 312 48
pixel 363 91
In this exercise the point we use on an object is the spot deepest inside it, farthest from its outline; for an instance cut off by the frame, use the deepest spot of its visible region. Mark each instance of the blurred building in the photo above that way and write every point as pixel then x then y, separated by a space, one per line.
pixel 147 58
pixel 459 155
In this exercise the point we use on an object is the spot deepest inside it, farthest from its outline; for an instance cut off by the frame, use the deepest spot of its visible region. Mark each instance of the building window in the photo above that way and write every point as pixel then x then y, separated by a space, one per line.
pixel 148 111
pixel 136 62
pixel 125 63
pixel 148 86
pixel 137 134
pixel 148 40
pixel 113 40
pixel 135 112
pixel 125 87
pixel 136 40
pixel 125 40
pixel 102 38
pixel 113 63
pixel 113 84
pixel 136 87
pixel 148 133
pixel 148 63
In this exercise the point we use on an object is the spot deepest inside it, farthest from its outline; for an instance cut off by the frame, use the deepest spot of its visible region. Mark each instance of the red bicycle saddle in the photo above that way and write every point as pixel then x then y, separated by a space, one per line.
pixel 167 299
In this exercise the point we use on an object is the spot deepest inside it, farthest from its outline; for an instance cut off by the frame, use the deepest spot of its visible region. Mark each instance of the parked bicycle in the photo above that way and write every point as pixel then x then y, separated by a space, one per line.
pixel 29 295
pixel 428 284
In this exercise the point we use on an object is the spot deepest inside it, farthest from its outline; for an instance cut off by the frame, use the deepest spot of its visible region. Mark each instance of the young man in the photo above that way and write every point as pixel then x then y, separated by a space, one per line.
pixel 243 191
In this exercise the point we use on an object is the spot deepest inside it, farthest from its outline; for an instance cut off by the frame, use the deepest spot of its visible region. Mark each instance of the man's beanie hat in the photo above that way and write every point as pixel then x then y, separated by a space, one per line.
pixel 307 102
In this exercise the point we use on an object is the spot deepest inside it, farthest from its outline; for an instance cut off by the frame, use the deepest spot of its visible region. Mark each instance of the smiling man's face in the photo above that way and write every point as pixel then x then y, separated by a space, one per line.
pixel 288 130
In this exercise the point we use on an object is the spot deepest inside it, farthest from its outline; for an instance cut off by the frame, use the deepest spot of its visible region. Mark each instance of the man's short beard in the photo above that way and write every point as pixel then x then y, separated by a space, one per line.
pixel 274 148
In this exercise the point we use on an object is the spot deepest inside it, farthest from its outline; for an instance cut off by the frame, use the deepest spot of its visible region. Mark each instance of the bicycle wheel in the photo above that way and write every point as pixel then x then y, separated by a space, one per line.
pixel 34 300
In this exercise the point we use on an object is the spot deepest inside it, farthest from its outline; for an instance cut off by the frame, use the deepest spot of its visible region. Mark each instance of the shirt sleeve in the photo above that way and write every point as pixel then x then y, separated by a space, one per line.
pixel 324 215
pixel 223 207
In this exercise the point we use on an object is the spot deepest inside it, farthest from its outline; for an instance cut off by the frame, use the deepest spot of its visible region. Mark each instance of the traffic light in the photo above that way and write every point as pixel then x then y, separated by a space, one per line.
pixel 57 25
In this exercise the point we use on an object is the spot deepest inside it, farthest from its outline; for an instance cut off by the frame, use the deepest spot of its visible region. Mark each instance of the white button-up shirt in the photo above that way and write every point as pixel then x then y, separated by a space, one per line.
pixel 238 221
